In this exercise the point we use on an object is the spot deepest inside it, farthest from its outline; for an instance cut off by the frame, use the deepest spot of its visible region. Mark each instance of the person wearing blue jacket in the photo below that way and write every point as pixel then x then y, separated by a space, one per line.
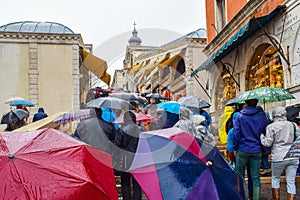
pixel 39 115
pixel 249 125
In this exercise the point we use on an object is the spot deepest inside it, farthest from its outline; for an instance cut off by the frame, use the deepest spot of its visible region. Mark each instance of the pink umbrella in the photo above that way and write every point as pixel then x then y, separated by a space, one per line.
pixel 140 117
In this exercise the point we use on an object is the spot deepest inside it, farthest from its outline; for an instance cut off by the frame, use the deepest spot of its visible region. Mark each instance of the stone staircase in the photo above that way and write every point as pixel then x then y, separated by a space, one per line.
pixel 264 179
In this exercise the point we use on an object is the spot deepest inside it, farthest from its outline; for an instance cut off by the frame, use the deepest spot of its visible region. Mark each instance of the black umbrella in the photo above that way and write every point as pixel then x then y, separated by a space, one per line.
pixel 156 96
pixel 110 102
pixel 14 116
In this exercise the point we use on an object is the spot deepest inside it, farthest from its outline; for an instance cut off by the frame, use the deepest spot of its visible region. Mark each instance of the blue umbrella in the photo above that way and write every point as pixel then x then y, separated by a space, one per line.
pixel 22 102
pixel 170 106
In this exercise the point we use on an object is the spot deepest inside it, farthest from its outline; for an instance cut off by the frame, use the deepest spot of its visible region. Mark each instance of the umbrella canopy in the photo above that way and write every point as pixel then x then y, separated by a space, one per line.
pixel 157 96
pixel 140 117
pixel 48 164
pixel 170 106
pixel 11 99
pixel 265 94
pixel 129 97
pixel 22 102
pixel 193 102
pixel 14 116
pixel 73 116
pixel 231 102
pixel 110 102
pixel 171 164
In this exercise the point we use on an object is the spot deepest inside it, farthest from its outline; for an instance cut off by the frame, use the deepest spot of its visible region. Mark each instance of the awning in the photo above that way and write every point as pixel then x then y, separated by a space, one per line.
pixel 168 62
pixel 251 27
pixel 106 78
pixel 135 67
pixel 94 64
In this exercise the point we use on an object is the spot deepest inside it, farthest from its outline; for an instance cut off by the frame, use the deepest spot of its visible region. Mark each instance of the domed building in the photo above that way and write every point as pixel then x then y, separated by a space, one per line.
pixel 46 63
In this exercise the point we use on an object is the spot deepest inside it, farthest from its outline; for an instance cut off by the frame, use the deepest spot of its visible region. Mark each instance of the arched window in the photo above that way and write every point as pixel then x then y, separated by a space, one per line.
pixel 180 69
pixel 265 68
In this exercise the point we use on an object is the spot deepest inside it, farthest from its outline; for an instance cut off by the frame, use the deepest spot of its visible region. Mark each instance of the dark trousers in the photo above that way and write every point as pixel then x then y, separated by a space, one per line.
pixel 126 179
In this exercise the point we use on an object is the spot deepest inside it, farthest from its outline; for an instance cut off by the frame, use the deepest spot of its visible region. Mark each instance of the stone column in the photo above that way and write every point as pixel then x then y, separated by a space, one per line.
pixel 76 77
pixel 33 76
pixel 188 79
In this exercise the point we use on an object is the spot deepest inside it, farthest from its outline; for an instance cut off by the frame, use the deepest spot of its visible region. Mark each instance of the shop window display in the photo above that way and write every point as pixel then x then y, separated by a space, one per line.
pixel 266 70
pixel 226 91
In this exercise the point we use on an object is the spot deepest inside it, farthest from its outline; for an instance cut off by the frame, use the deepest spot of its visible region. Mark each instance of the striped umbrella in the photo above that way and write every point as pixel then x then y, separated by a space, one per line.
pixel 72 116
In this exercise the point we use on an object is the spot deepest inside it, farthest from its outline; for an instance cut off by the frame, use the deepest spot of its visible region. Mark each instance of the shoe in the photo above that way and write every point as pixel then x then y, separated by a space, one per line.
pixel 266 172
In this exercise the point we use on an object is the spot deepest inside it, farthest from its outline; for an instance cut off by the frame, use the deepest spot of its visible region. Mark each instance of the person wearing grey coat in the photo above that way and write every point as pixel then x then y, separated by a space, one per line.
pixel 185 123
pixel 97 132
pixel 280 136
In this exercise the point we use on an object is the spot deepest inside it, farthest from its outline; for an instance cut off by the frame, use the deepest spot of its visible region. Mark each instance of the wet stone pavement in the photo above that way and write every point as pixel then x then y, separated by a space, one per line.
pixel 266 191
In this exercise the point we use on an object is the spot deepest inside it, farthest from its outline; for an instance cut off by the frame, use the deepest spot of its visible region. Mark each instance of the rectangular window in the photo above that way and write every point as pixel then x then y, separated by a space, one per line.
pixel 220 14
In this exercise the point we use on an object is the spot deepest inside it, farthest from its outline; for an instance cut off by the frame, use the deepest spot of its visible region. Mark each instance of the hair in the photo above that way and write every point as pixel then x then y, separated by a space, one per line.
pixel 251 102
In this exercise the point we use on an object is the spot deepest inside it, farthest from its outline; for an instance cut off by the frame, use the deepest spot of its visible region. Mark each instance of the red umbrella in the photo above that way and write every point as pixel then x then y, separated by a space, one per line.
pixel 48 164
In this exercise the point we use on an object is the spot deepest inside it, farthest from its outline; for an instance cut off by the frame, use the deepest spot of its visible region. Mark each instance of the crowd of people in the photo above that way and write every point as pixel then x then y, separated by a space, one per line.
pixel 120 140
pixel 252 136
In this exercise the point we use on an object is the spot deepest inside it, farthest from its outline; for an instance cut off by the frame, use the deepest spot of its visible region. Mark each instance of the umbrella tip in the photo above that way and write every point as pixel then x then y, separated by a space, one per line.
pixel 209 164
pixel 11 155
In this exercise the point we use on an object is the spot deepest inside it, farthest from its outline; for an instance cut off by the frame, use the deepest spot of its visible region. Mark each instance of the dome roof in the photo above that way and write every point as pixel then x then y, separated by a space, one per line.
pixel 36 27
pixel 134 40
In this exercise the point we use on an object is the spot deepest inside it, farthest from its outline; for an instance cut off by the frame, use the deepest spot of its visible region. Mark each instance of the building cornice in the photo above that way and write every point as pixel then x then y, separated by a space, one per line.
pixel 233 25
pixel 17 37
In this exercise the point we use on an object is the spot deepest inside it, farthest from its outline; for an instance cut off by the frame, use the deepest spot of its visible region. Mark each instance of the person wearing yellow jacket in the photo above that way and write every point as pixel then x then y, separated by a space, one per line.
pixel 228 110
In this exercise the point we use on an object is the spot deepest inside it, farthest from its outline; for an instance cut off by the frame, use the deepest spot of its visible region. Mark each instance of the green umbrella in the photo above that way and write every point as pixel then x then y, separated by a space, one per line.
pixel 265 94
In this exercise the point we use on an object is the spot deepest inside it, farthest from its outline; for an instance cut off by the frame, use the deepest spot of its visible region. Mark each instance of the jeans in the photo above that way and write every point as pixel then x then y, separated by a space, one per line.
pixel 126 187
pixel 290 167
pixel 265 162
pixel 253 160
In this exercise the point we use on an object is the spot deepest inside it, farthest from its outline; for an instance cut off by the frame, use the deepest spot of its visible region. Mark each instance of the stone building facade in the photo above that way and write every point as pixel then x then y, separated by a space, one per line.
pixel 166 68
pixel 45 63
pixel 257 46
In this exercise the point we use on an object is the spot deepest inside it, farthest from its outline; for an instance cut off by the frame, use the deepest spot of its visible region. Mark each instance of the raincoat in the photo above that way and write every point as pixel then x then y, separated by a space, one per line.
pixel 228 110
pixel 185 123
pixel 249 125
pixel 96 132
pixel 39 115
pixel 202 132
pixel 280 134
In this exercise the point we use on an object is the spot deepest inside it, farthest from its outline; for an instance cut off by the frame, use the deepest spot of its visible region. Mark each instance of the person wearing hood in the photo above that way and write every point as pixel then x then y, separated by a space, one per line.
pixel 280 136
pixel 39 115
pixel 228 110
pixel 185 123
pixel 127 139
pixel 151 109
pixel 202 132
pixel 249 125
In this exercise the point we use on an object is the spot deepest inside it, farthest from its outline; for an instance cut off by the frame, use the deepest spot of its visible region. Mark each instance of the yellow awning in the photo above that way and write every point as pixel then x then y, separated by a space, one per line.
pixel 150 69
pixel 168 62
pixel 94 64
pixel 135 67
pixel 106 78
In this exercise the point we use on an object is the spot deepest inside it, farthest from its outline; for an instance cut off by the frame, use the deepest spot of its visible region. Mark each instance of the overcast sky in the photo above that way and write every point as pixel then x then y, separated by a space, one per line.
pixel 103 22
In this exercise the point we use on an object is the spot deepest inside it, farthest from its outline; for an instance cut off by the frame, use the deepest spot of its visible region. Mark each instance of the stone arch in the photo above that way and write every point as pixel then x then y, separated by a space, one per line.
pixel 256 44
pixel 180 68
